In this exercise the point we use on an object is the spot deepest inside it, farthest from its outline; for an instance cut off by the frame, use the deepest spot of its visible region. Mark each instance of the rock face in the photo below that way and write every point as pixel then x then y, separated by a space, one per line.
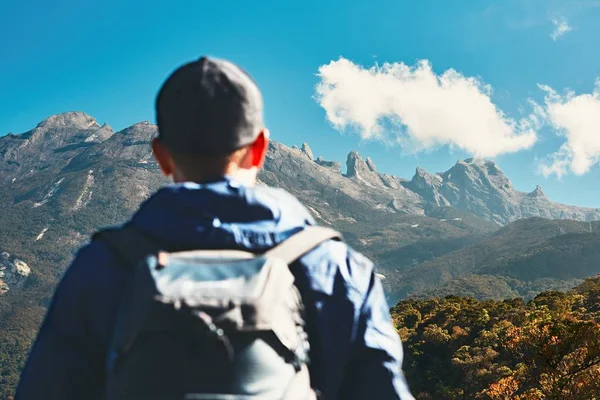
pixel 537 193
pixel 307 151
pixel 319 184
pixel 334 166
pixel 427 186
pixel 481 188
pixel 130 146
pixel 69 160
pixel 361 170
pixel 52 140
pixel 13 272
pixel 364 171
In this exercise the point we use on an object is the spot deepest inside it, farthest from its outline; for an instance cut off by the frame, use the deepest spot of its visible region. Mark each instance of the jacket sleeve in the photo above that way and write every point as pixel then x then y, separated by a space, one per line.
pixel 374 370
pixel 65 361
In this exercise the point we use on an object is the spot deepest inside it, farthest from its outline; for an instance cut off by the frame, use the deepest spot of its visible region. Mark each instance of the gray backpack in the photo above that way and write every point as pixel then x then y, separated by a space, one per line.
pixel 210 324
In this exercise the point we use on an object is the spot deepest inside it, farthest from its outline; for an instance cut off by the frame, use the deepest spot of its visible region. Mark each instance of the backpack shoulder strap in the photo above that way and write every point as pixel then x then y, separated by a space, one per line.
pixel 131 245
pixel 302 242
pixel 128 243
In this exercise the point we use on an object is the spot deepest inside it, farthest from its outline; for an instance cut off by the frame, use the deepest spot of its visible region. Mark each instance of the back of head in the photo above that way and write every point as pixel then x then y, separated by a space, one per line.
pixel 206 111
pixel 209 107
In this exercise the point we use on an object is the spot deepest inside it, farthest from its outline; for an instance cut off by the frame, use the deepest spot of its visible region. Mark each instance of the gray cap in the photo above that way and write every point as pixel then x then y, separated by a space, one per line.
pixel 209 107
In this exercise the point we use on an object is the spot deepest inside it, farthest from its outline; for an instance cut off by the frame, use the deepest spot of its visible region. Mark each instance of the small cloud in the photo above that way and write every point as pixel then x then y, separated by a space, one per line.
pixel 577 118
pixel 421 110
pixel 561 26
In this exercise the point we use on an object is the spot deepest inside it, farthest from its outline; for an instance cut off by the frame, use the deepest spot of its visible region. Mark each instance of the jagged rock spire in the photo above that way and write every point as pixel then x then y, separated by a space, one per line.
pixel 363 170
pixel 307 151
pixel 537 192
pixel 354 164
pixel 371 164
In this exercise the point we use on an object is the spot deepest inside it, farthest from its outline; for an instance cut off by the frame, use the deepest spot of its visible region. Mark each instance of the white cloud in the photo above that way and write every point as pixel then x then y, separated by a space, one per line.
pixel 577 117
pixel 561 26
pixel 420 109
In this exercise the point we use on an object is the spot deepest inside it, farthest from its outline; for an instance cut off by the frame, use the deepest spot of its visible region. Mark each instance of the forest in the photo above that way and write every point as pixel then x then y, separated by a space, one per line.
pixel 461 348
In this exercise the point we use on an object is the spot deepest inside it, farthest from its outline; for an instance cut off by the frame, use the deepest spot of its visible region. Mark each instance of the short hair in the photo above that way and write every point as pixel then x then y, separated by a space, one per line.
pixel 209 107
pixel 199 168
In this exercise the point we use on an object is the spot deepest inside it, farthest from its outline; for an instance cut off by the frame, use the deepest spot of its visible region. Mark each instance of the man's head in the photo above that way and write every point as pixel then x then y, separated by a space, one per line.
pixel 210 123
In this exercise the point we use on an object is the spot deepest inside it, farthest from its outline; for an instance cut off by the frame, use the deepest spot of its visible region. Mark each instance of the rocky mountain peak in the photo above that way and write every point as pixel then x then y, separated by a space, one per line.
pixel 364 170
pixel 45 145
pixel 420 172
pixel 72 119
pixel 142 125
pixel 100 135
pixel 537 192
pixel 488 167
pixel 355 164
pixel 477 172
pixel 335 166
pixel 370 164
pixel 422 178
pixel 65 129
pixel 427 186
pixel 307 151
pixel 142 130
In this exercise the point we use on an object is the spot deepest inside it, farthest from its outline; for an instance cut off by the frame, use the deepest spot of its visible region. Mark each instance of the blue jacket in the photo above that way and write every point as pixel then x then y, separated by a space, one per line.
pixel 358 354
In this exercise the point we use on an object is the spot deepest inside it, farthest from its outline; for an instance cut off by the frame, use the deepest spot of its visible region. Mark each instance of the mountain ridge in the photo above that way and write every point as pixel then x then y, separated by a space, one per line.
pixel 473 185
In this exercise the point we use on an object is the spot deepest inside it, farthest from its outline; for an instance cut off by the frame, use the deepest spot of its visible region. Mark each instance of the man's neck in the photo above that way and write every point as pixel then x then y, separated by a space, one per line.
pixel 245 177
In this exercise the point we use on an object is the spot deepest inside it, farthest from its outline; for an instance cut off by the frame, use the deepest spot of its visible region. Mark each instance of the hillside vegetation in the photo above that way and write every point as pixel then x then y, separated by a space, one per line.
pixel 461 348
pixel 519 260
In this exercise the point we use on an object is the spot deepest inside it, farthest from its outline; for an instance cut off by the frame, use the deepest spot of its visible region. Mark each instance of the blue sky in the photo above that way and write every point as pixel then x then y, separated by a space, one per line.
pixel 109 58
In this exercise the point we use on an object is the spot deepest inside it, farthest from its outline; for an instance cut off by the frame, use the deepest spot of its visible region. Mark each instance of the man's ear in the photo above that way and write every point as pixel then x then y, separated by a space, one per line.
pixel 259 149
pixel 162 156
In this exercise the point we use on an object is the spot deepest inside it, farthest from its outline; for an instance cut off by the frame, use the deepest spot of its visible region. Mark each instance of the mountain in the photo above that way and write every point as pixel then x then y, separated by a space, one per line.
pixel 72 142
pixel 519 260
pixel 480 187
pixel 50 144
pixel 477 187
pixel 70 175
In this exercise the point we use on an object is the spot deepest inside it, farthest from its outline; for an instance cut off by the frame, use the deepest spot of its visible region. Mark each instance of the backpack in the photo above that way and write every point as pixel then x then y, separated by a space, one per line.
pixel 210 324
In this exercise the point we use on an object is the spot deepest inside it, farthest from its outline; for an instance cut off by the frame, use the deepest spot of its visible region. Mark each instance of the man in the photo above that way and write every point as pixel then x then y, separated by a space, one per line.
pixel 212 142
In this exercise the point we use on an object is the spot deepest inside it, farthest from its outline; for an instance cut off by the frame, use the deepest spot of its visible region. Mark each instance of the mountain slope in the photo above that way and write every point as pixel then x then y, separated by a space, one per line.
pixel 50 144
pixel 521 259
